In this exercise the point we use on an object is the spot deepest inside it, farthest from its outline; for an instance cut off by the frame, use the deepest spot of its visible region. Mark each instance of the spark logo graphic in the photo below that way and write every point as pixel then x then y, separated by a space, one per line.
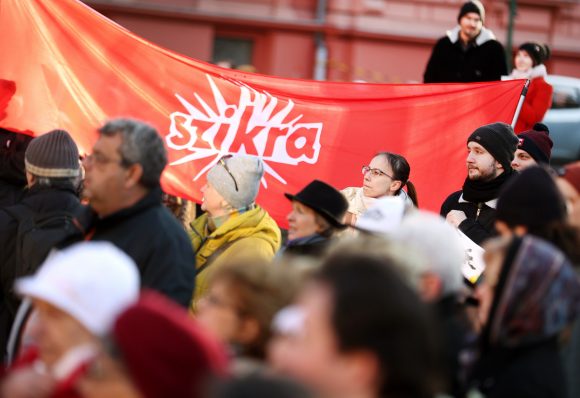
pixel 258 125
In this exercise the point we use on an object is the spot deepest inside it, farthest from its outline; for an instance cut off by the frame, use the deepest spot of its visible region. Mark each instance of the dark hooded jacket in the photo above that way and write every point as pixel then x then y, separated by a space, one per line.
pixel 481 60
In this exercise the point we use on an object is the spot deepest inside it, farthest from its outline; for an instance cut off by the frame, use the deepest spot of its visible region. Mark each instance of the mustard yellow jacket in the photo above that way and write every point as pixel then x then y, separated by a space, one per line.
pixel 253 234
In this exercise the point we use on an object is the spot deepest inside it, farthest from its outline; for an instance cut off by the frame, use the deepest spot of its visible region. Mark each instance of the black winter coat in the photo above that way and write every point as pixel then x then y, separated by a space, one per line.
pixel 314 246
pixel 10 193
pixel 480 221
pixel 533 371
pixel 12 174
pixel 157 243
pixel 40 200
pixel 482 60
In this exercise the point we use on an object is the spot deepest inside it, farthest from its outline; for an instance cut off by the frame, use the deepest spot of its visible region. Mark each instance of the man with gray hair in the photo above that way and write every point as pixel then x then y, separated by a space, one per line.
pixel 122 185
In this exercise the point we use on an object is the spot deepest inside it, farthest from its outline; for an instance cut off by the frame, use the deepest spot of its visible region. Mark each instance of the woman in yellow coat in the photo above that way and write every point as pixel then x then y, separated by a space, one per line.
pixel 233 227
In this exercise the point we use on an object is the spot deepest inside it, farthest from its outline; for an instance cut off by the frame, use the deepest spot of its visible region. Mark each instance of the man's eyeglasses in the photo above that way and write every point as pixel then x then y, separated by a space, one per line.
pixel 100 159
pixel 223 163
pixel 374 172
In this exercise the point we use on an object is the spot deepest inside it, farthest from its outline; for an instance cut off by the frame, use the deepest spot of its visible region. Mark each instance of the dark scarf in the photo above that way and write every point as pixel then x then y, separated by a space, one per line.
pixel 482 191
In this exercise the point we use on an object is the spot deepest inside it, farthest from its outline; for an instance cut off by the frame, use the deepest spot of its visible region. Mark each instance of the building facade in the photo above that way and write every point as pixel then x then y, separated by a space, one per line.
pixel 383 41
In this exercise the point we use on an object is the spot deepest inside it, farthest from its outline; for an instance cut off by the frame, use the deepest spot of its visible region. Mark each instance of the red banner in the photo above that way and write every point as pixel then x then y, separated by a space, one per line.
pixel 73 69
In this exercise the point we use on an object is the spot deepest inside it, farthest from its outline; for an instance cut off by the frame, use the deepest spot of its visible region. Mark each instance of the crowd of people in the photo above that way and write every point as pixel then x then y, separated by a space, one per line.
pixel 108 290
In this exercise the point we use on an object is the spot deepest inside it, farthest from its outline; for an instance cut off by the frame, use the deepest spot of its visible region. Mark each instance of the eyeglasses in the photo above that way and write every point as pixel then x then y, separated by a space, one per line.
pixel 222 162
pixel 97 158
pixel 374 172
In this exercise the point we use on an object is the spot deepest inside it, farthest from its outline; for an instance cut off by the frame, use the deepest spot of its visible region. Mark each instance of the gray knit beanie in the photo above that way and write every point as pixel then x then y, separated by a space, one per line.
pixel 246 171
pixel 53 155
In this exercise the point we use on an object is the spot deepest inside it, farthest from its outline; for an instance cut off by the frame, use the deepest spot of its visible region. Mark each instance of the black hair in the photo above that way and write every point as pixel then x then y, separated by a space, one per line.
pixel 401 171
pixel 260 385
pixel 373 309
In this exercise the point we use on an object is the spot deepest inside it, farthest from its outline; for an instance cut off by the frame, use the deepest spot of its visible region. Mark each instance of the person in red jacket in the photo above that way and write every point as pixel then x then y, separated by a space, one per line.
pixel 529 64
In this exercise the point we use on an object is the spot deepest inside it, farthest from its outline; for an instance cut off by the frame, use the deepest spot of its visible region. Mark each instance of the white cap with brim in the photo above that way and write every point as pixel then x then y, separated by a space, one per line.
pixel 91 281
pixel 383 217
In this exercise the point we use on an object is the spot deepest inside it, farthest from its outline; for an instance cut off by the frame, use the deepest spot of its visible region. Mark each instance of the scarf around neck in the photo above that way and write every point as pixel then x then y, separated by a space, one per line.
pixel 483 191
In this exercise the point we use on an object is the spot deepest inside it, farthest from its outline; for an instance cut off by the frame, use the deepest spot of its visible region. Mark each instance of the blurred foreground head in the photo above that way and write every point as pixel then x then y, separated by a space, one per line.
pixel 77 294
pixel 364 332
pixel 164 351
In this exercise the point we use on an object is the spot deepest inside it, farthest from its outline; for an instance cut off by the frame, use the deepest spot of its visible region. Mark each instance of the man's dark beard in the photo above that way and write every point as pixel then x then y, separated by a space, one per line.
pixel 485 178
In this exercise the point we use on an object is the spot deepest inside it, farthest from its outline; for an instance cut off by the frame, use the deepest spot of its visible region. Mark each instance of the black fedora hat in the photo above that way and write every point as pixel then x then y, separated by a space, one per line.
pixel 324 200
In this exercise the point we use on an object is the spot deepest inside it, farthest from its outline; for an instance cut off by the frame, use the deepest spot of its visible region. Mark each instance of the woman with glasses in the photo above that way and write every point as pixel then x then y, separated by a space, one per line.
pixel 386 175
pixel 233 227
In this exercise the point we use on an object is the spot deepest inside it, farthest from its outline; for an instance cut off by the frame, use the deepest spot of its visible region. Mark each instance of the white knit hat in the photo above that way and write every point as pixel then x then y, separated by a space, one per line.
pixel 91 281
pixel 383 217
pixel 433 239
pixel 244 174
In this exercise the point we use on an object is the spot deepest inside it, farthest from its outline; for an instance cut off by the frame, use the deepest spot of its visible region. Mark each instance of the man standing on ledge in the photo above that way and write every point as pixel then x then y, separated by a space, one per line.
pixel 490 153
pixel 468 53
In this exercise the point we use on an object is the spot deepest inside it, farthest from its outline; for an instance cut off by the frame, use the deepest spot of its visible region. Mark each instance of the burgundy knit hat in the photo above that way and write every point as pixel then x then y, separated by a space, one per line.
pixel 53 155
pixel 165 350
pixel 537 143
pixel 571 173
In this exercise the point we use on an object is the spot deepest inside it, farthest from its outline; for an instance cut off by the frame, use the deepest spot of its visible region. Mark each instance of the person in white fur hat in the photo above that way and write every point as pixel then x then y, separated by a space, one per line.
pixel 76 296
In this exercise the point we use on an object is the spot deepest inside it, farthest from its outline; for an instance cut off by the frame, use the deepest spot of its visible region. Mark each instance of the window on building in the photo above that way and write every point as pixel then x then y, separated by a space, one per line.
pixel 233 50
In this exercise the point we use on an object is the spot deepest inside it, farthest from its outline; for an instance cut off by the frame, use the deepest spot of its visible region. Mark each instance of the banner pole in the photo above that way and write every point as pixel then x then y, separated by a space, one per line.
pixel 520 103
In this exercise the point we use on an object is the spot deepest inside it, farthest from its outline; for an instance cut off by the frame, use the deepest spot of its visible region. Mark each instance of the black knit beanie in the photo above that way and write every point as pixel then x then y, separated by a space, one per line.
pixel 53 155
pixel 539 53
pixel 530 199
pixel 472 6
pixel 499 140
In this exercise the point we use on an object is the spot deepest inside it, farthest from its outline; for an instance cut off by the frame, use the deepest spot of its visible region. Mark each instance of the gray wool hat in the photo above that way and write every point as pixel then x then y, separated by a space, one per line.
pixel 53 155
pixel 241 170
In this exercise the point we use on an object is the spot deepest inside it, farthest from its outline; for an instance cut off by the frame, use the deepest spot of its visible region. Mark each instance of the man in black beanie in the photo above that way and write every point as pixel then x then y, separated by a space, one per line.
pixel 490 153
pixel 468 53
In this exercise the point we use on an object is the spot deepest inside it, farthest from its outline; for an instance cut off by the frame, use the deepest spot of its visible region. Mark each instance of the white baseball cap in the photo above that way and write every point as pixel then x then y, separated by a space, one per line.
pixel 91 281
pixel 383 217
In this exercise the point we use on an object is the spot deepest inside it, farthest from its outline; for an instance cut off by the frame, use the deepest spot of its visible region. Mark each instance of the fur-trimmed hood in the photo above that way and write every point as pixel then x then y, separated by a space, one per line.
pixel 536 71
pixel 484 36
